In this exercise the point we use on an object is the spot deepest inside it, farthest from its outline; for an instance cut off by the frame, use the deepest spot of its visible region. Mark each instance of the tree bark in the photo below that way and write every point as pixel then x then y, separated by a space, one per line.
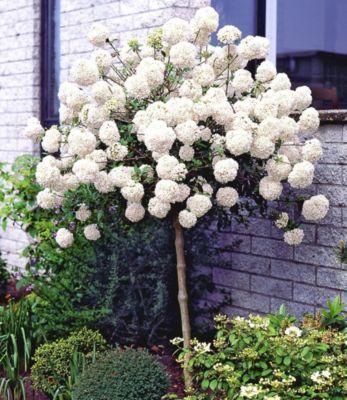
pixel 183 297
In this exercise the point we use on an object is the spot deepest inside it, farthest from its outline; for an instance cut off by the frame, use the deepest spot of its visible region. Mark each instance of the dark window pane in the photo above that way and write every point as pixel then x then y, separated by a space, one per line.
pixel 50 61
pixel 312 48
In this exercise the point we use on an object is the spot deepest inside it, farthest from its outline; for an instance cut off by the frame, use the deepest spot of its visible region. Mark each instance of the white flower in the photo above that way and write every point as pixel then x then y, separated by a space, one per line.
pixel 109 133
pixel 186 153
pixel 262 147
pixel 72 96
pixel 190 89
pixel 266 107
pixel 101 92
pixel 270 189
pixel 226 170
pixel 182 55
pixel 98 34
pixel 64 238
pixel 253 47
pixel 84 72
pixel 303 97
pixel 270 127
pixel 282 220
pixel 159 137
pixel 309 121
pixel 47 175
pixel 321 377
pixel 180 110
pixel 199 204
pixel 91 232
pixel 294 237
pixel 166 190
pixel 133 193
pixel 293 331
pixel 83 213
pixel 227 197
pixel 121 176
pixel 95 116
pixel 316 208
pixel 135 212
pixel 152 71
pixel 204 75
pixel 187 219
pixel 266 71
pixel 278 168
pixel 137 87
pixel 103 60
pixel 48 199
pixel 51 140
pixel 165 166
pixel 176 30
pixel 33 130
pixel 238 142
pixel 280 82
pixel 289 128
pixel 99 156
pixel 206 19
pixel 85 170
pixel 158 208
pixel 249 391
pixel 301 175
pixel 81 142
pixel 229 34
pixel 312 150
pixel 183 192
pixel 103 182
pixel 242 81
pixel 117 152
pixel 187 132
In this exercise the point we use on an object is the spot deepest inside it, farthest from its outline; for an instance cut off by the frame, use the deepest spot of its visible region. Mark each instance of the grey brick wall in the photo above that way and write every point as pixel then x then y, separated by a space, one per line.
pixel 19 93
pixel 263 272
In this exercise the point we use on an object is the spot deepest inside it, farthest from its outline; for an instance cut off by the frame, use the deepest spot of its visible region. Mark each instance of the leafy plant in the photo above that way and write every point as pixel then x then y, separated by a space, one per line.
pixel 4 277
pixel 333 317
pixel 269 358
pixel 123 374
pixel 19 333
pixel 52 361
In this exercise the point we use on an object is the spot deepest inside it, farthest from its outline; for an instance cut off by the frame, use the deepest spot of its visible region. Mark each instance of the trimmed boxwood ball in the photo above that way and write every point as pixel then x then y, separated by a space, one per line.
pixel 123 375
pixel 52 361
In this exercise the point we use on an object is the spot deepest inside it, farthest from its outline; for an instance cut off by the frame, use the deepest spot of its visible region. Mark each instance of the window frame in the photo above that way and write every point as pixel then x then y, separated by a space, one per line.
pixel 49 69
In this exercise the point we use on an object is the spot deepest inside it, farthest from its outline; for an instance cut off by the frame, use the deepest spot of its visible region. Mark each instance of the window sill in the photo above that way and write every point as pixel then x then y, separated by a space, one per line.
pixel 333 116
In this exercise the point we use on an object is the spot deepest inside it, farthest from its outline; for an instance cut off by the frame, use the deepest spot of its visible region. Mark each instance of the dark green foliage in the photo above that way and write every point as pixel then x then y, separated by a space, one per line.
pixel 52 361
pixel 123 375
pixel 4 277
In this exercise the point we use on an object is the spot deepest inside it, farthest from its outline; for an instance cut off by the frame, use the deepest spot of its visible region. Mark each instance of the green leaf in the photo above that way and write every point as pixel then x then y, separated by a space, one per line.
pixel 214 384
pixel 205 384
pixel 287 361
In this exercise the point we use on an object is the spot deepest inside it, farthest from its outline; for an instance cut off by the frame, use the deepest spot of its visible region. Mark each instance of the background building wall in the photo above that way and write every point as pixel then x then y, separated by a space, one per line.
pixel 19 93
pixel 263 272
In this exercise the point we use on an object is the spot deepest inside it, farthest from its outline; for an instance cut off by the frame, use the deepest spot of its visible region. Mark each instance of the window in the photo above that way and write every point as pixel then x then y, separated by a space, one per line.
pixel 50 61
pixel 312 48
pixel 308 40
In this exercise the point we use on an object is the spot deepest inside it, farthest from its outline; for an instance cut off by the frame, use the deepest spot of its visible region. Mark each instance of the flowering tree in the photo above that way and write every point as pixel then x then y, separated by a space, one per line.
pixel 174 126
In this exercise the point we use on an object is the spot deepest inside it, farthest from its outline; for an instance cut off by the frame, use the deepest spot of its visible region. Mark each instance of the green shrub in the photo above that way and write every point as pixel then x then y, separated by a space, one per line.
pixel 4 277
pixel 52 361
pixel 123 375
pixel 270 357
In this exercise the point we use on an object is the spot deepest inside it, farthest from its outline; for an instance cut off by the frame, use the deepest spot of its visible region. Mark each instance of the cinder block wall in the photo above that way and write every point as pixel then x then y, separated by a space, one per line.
pixel 263 272
pixel 19 93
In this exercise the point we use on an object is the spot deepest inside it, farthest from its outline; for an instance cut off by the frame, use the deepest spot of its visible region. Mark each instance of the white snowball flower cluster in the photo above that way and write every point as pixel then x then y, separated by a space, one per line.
pixel 83 213
pixel 91 232
pixel 294 237
pixel 316 208
pixel 172 126
pixel 64 238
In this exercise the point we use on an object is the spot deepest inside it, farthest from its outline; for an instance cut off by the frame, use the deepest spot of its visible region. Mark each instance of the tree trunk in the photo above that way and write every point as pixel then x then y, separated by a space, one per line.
pixel 183 296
